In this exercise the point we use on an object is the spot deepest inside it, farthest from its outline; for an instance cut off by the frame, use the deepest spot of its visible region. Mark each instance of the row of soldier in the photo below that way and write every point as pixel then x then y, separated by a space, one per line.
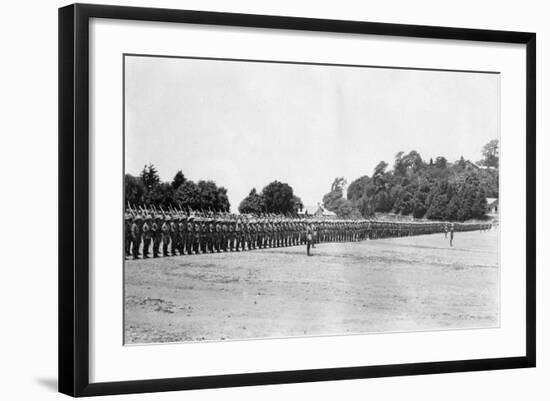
pixel 179 234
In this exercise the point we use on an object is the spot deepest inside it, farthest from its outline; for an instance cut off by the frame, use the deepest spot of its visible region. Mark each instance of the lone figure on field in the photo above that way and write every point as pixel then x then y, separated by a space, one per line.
pixel 452 233
pixel 309 238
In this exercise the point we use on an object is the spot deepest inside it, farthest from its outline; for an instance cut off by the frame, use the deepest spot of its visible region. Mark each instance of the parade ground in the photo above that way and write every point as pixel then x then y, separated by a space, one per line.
pixel 385 285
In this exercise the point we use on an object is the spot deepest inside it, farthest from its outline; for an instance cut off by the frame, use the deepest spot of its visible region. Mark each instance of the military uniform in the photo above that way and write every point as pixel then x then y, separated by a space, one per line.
pixel 182 235
pixel 136 236
pixel 127 233
pixel 190 235
pixel 147 236
pixel 165 229
pixel 174 234
pixel 157 235
pixel 309 238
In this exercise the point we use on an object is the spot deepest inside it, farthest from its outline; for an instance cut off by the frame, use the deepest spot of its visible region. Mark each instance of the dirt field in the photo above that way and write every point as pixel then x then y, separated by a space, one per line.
pixel 398 284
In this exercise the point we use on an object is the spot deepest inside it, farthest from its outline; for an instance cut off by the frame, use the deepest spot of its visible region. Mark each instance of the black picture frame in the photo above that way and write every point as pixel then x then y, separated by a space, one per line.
pixel 74 198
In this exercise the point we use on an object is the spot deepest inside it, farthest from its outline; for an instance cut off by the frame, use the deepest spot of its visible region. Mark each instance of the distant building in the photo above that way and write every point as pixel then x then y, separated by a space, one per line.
pixel 492 206
pixel 317 211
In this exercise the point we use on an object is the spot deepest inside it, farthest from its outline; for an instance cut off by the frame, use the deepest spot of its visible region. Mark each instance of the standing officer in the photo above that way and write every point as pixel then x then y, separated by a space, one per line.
pixel 309 238
pixel 452 233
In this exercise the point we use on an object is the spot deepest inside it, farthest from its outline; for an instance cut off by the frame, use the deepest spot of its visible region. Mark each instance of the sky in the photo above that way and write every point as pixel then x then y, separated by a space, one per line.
pixel 245 124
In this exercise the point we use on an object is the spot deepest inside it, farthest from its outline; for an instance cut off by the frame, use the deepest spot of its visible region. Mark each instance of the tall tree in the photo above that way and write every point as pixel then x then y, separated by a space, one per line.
pixel 188 196
pixel 179 179
pixel 253 203
pixel 149 176
pixel 490 154
pixel 279 198
pixel 336 193
pixel 440 162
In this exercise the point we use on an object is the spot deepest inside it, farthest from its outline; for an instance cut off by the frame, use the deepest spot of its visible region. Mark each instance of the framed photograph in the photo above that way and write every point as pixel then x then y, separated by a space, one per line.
pixel 251 199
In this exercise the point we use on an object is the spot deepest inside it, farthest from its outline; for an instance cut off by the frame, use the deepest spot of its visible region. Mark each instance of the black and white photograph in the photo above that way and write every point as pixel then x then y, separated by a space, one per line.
pixel 271 199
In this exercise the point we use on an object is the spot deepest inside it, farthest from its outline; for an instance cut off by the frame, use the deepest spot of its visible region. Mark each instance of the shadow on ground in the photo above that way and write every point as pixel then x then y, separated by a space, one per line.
pixel 49 383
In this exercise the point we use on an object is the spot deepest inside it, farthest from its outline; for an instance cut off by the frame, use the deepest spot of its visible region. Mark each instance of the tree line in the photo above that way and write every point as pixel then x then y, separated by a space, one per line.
pixel 276 197
pixel 148 190
pixel 437 189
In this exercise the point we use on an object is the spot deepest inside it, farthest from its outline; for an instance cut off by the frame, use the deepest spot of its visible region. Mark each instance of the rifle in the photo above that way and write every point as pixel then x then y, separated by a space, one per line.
pixel 131 210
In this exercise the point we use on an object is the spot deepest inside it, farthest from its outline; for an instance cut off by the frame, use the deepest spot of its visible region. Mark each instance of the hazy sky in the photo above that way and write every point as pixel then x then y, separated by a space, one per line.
pixel 245 124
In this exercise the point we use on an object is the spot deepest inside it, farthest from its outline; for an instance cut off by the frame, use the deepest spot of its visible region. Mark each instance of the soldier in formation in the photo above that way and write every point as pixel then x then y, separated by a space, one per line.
pixel 180 233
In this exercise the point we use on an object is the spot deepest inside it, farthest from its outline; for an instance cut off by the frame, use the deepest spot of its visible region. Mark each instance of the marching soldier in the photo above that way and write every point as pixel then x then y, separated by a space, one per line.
pixel 174 233
pixel 182 234
pixel 197 237
pixel 190 235
pixel 157 234
pixel 165 229
pixel 239 236
pixel 136 236
pixel 231 235
pixel 224 233
pixel 127 233
pixel 218 236
pixel 147 236
pixel 204 236
pixel 211 243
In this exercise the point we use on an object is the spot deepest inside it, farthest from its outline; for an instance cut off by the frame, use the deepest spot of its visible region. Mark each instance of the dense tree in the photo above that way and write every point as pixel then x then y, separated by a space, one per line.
pixel 357 188
pixel 490 154
pixel 253 203
pixel 134 190
pixel 335 201
pixel 438 190
pixel 149 177
pixel 188 196
pixel 279 198
pixel 210 196
pixel 276 197
pixel 162 195
pixel 179 179
pixel 461 163
pixel 148 190
pixel 440 162
pixel 336 193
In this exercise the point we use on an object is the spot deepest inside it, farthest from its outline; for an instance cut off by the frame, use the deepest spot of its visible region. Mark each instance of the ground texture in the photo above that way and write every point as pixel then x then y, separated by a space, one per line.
pixel 397 284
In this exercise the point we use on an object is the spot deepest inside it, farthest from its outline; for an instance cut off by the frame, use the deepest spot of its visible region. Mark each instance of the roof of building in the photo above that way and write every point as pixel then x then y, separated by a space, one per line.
pixel 317 210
